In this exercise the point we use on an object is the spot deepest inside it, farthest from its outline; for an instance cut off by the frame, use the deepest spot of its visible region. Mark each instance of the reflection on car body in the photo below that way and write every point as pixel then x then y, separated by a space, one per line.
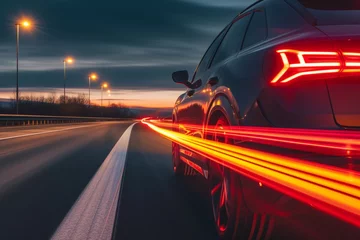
pixel 279 63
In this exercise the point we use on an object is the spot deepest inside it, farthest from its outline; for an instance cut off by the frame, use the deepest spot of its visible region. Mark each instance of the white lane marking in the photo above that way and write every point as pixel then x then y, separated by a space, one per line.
pixel 93 214
pixel 45 132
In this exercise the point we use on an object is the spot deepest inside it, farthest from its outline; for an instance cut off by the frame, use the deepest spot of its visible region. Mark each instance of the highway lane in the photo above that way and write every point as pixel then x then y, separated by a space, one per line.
pixel 179 211
pixel 153 203
pixel 14 132
pixel 41 176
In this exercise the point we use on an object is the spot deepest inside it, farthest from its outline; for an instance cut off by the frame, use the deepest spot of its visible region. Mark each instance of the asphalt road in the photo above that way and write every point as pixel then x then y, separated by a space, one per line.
pixel 103 180
pixel 43 175
pixel 153 203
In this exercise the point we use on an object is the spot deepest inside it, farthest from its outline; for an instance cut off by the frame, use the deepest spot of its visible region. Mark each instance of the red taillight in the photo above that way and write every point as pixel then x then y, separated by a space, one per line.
pixel 298 64
pixel 352 62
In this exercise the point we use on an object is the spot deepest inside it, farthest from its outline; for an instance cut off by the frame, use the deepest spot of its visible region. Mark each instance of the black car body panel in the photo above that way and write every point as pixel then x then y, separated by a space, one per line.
pixel 243 93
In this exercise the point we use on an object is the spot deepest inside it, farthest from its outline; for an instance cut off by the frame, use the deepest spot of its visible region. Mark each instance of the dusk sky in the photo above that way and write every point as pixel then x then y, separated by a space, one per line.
pixel 133 45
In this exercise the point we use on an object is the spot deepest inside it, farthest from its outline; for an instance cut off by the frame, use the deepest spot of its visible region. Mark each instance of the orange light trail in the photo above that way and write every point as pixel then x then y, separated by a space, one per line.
pixel 329 142
pixel 333 190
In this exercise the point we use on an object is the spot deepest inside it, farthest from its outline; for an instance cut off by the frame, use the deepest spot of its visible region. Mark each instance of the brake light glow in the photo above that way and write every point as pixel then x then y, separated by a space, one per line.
pixel 298 64
pixel 303 63
pixel 352 60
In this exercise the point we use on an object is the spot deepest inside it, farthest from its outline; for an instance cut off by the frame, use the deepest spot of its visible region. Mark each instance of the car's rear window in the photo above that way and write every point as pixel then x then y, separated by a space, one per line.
pixel 338 12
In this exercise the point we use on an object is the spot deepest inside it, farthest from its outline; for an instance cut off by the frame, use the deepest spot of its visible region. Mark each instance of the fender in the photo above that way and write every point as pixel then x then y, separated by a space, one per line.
pixel 225 102
pixel 175 108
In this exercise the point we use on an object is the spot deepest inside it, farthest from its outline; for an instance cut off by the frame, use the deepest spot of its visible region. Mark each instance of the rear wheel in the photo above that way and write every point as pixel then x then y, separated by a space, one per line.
pixel 232 218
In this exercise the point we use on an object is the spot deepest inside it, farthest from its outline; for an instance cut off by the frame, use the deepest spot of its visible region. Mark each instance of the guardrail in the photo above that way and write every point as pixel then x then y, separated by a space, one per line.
pixel 17 120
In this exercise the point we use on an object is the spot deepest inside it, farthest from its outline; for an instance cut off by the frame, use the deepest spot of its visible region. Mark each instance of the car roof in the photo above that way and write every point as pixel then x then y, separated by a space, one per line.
pixel 294 4
pixel 255 3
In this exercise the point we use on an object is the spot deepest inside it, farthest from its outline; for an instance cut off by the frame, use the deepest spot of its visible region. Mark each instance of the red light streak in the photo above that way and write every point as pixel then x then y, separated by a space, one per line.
pixel 309 73
pixel 284 70
pixel 330 189
pixel 329 142
pixel 307 52
pixel 351 70
pixel 351 54
pixel 322 63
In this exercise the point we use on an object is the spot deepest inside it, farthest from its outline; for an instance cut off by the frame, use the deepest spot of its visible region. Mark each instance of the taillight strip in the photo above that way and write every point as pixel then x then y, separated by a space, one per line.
pixel 352 59
pixel 307 53
pixel 310 73
pixel 303 64
pixel 285 68
pixel 322 62
pixel 351 54
pixel 351 70
pixel 330 64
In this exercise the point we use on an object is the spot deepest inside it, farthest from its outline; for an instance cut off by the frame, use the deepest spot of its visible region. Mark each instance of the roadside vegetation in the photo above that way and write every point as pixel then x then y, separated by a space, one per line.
pixel 73 106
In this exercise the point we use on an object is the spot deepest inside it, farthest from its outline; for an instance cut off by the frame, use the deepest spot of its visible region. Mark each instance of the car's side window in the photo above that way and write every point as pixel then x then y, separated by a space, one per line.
pixel 233 40
pixel 203 65
pixel 257 30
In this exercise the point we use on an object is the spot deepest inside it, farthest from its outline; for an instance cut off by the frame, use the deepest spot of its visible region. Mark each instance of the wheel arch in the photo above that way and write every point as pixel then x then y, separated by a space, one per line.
pixel 221 104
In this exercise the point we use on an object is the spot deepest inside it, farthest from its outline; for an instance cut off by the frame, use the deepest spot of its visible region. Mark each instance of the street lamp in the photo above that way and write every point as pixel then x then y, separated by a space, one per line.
pixel 109 95
pixel 25 24
pixel 69 61
pixel 92 76
pixel 104 85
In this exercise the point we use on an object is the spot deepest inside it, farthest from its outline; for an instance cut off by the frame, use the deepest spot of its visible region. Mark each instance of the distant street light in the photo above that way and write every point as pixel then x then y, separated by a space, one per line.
pixel 69 61
pixel 92 76
pixel 25 24
pixel 104 85
pixel 109 95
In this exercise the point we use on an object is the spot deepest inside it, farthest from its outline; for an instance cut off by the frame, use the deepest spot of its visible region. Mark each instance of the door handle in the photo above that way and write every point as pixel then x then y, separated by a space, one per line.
pixel 190 92
pixel 213 81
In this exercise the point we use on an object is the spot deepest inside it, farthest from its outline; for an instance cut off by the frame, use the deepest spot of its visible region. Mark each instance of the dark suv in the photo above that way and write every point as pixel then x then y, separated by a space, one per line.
pixel 279 63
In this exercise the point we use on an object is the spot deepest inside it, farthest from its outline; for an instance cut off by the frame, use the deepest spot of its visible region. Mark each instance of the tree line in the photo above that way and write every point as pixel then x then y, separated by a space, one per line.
pixel 73 106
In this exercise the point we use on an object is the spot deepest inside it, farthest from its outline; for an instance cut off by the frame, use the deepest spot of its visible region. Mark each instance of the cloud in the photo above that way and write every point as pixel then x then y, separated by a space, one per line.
pixel 132 44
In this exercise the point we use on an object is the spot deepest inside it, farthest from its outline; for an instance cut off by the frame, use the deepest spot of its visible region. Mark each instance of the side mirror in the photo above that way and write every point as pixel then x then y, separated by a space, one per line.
pixel 181 77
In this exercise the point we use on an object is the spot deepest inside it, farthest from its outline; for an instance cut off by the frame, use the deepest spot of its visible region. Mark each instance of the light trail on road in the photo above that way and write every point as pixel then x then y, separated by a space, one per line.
pixel 330 142
pixel 333 190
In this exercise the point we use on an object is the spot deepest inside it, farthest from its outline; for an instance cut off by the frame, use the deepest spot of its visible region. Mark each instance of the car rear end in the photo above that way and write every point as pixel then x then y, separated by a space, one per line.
pixel 314 75
pixel 313 81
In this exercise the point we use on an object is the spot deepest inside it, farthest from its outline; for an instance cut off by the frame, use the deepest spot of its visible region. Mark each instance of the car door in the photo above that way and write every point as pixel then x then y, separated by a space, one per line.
pixel 197 102
pixel 191 109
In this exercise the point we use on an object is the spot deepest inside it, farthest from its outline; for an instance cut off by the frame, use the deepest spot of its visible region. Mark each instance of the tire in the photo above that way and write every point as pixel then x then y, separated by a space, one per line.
pixel 232 218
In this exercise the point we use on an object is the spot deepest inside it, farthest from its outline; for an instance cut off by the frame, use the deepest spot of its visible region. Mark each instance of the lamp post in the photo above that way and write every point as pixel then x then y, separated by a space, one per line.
pixel 104 85
pixel 70 61
pixel 25 24
pixel 109 95
pixel 92 76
